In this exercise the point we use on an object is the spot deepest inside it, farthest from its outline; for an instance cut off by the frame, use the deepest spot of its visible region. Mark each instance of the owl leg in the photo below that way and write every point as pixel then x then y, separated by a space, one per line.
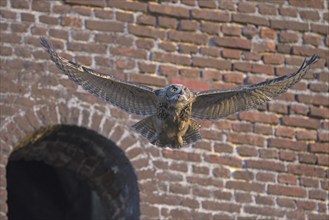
pixel 180 141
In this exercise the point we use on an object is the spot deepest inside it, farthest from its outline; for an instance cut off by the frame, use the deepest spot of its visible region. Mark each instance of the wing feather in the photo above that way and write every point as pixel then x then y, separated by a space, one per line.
pixel 131 97
pixel 215 104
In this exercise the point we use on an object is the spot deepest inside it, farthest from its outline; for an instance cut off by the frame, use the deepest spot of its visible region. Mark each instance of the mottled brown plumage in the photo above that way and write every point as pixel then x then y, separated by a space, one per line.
pixel 170 110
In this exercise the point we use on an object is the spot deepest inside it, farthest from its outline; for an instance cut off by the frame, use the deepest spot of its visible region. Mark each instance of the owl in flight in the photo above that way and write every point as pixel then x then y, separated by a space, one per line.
pixel 172 109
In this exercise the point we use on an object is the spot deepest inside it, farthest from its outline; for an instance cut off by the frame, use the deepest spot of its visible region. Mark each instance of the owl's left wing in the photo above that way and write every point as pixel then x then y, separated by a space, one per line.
pixel 215 104
pixel 131 97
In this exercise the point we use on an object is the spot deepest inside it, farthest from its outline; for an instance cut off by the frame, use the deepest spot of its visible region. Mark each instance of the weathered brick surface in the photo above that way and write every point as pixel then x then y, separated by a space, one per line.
pixel 266 163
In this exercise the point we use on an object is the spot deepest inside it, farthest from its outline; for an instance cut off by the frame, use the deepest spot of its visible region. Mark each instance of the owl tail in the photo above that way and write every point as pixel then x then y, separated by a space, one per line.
pixel 146 128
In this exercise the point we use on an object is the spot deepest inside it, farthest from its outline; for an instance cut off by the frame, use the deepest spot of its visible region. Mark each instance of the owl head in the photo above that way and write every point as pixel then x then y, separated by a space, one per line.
pixel 175 93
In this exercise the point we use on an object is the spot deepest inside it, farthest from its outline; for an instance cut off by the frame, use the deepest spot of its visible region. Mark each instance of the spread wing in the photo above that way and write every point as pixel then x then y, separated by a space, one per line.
pixel 215 104
pixel 131 97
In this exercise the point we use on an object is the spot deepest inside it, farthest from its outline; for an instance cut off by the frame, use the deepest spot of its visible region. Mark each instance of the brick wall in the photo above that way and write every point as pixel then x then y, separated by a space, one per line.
pixel 270 162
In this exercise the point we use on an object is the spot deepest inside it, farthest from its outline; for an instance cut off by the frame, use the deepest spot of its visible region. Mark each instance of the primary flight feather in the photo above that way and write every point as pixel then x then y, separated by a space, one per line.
pixel 170 110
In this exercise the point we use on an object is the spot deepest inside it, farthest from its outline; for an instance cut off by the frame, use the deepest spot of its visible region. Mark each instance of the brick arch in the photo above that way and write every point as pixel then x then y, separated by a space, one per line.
pixel 26 127
pixel 94 158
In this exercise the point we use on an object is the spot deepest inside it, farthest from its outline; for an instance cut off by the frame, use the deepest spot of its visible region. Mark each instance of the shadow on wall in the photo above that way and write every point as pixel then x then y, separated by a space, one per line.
pixel 70 172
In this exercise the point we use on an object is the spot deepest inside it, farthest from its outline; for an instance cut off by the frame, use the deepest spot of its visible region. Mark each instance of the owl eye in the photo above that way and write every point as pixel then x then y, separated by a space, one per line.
pixel 173 89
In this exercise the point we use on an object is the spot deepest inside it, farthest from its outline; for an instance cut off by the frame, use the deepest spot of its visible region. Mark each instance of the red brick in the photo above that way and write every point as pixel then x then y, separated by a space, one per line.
pixel 150 210
pixel 307 4
pixel 287 191
pixel 306 170
pixel 287 155
pixel 129 5
pixel 267 9
pixel 291 12
pixel 265 165
pixel 27 17
pixel 210 28
pixel 187 25
pixel 246 7
pixel 323 136
pixel 288 37
pixel 71 22
pixel 284 202
pixel 187 48
pixel 306 205
pixel 263 129
pixel 103 13
pixel 42 6
pixel 251 56
pixel 313 99
pixel 104 26
pixel 172 58
pixel 86 48
pixel 200 170
pixel 148 79
pixel 192 83
pixel 63 34
pixel 6 51
pixel 306 135
pixel 287 144
pixel 228 207
pixel 20 27
pixel 210 15
pixel 249 31
pixel 250 19
pixel 245 186
pixel 233 77
pixel 98 3
pixel 318 195
pixel 274 59
pixel 207 4
pixel 167 22
pixel 129 52
pixel 195 38
pixel 264 211
pixel 242 138
pixel 212 63
pixel 246 151
pixel 312 39
pixel 264 46
pixel 7 14
pixel 144 31
pixel 268 33
pixel 319 87
pixel 233 42
pixel 301 122
pixel 288 25
pixel 189 73
pixel 146 67
pixel 243 197
pixel 307 158
pixel 124 16
pixel 283 131
pixel 223 160
pixel 287 179
pixel 259 117
pixel 231 53
pixel 242 66
pixel 319 148
pixel 231 30
pixel 278 108
pixel 169 10
pixel 309 15
pixel 221 172
pixel 168 71
pixel 243 175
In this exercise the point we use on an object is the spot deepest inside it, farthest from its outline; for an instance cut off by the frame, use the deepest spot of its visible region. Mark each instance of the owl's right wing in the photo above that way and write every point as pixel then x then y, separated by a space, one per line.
pixel 131 97
pixel 215 104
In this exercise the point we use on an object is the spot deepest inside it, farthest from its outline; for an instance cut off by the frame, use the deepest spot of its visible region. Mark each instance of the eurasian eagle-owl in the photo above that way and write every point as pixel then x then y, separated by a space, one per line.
pixel 170 110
